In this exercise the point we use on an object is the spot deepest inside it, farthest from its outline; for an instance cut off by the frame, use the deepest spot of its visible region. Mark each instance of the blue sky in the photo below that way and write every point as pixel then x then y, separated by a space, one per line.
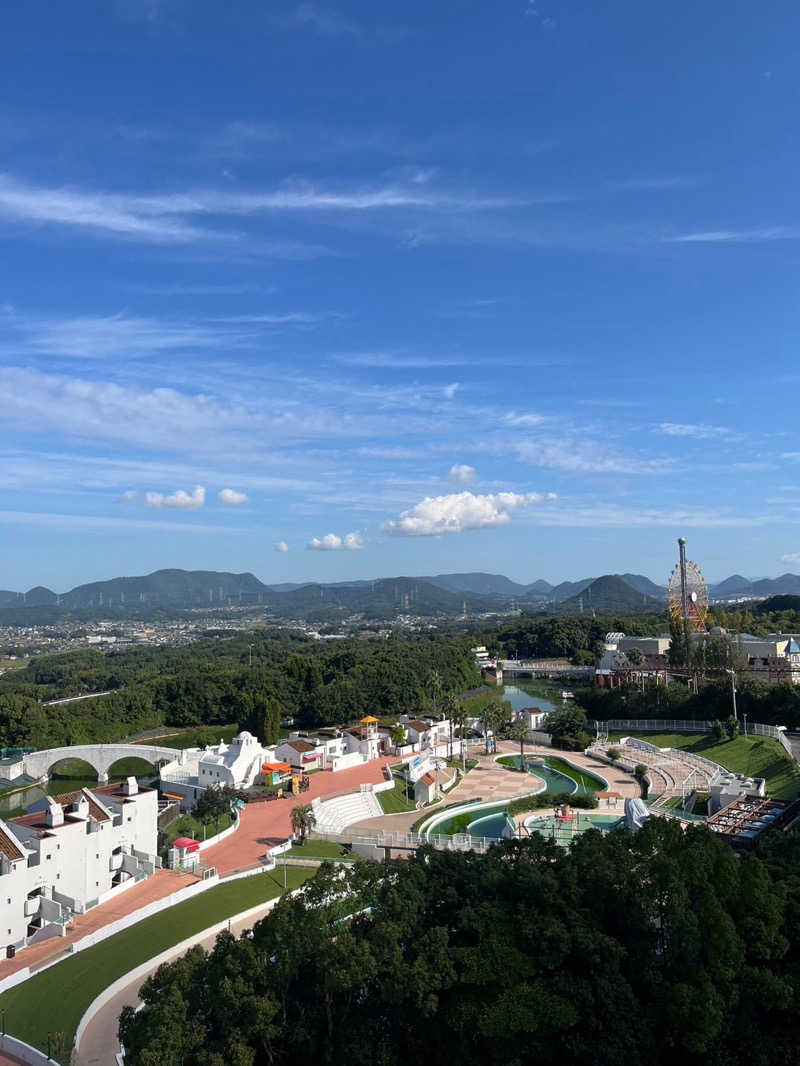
pixel 344 291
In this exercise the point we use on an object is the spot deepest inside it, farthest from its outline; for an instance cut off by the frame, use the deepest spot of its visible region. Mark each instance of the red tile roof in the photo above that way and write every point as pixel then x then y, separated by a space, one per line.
pixel 9 847
pixel 429 779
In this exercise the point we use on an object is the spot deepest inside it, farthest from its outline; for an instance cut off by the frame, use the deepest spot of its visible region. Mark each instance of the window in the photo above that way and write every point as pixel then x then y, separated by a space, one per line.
pixel 97 855
pixel 58 847
pixel 48 856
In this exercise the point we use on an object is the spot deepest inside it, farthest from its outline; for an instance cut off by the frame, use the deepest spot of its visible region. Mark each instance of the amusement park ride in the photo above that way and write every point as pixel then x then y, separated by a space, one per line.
pixel 687 593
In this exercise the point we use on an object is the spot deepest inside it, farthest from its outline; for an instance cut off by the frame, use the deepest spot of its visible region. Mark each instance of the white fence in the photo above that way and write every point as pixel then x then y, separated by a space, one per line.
pixel 683 725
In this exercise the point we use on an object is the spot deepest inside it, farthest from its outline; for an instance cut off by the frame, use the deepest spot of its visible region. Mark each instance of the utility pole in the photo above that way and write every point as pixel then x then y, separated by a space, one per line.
pixel 250 650
pixel 733 692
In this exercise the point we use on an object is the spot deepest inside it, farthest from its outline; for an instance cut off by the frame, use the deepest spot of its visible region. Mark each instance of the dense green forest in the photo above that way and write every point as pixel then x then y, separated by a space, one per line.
pixel 577 637
pixel 651 949
pixel 211 682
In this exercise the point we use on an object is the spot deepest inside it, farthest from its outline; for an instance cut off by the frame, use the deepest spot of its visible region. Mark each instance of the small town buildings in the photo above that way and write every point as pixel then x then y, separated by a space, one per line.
pixel 71 852
pixel 534 718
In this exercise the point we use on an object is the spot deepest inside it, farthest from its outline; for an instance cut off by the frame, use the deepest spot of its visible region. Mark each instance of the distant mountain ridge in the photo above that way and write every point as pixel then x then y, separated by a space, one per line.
pixel 440 593
pixel 611 593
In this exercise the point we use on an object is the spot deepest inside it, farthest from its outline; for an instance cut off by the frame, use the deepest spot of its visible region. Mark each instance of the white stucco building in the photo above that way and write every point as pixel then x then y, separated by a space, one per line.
pixel 69 853
pixel 235 765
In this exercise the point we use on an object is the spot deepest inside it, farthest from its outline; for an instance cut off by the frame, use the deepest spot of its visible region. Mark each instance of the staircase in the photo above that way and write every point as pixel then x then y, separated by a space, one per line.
pixel 334 815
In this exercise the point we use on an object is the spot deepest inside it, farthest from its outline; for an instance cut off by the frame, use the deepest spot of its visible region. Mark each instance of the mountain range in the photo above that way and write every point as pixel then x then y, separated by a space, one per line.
pixel 386 597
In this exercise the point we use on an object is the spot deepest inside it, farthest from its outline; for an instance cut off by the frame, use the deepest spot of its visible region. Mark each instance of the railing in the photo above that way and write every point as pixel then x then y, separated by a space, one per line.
pixel 686 725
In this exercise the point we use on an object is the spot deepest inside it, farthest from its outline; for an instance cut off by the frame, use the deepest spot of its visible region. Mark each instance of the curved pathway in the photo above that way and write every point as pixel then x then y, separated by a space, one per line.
pixel 263 825
pixel 100 1043
pixel 489 780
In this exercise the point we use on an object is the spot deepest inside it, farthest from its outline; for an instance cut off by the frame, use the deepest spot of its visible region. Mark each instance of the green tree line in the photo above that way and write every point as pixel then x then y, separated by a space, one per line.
pixel 212 682
pixel 651 949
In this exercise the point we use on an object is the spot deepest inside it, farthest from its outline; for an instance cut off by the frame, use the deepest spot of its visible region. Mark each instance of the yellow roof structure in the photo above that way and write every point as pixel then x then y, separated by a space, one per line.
pixel 369 720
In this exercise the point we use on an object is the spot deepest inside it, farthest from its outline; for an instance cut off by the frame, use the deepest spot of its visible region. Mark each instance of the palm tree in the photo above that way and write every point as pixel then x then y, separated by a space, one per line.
pixel 303 821
pixel 519 731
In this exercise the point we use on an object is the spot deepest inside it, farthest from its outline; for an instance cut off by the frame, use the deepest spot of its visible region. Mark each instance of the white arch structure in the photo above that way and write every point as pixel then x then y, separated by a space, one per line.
pixel 100 757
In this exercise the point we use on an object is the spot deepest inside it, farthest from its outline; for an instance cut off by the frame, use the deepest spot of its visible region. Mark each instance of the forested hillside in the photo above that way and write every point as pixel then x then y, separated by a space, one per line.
pixel 652 949
pixel 211 682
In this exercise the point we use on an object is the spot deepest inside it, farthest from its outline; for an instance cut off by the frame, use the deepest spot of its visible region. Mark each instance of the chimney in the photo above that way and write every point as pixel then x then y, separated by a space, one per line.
pixel 81 807
pixel 55 813
pixel 131 787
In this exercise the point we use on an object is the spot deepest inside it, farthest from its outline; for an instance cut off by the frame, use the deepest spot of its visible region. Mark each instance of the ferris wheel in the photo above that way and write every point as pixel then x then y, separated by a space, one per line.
pixel 687 592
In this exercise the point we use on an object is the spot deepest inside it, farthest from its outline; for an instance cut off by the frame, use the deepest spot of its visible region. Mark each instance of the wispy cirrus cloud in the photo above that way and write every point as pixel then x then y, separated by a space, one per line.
pixel 737 236
pixel 326 21
pixel 585 456
pixel 695 431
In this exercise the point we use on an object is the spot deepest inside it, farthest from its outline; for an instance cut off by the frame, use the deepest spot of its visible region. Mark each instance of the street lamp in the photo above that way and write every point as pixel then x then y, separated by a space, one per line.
pixel 733 693
pixel 250 650
pixel 745 723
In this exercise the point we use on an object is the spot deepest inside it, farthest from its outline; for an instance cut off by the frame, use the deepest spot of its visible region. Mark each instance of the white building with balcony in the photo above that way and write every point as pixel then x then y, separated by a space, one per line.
pixel 71 852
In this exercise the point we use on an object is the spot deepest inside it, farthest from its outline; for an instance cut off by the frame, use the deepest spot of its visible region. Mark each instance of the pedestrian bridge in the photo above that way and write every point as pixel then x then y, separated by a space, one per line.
pixel 101 757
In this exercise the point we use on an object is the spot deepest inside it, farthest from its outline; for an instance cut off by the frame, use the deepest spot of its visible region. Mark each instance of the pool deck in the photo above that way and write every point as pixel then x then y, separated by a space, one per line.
pixel 490 781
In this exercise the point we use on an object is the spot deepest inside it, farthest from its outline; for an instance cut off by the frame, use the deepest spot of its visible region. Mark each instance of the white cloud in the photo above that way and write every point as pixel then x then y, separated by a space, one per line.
pixel 462 474
pixel 746 236
pixel 232 498
pixel 792 557
pixel 333 543
pixel 179 500
pixel 450 390
pixel 325 21
pixel 697 432
pixel 128 497
pixel 282 547
pixel 514 419
pixel 461 511
pixel 585 457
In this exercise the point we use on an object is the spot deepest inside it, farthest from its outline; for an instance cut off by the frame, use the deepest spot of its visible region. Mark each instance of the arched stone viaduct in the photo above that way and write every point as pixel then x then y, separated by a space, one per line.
pixel 100 757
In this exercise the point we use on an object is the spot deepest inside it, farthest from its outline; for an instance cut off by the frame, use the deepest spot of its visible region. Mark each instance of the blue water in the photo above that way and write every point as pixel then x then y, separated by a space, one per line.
pixel 520 699
pixel 492 825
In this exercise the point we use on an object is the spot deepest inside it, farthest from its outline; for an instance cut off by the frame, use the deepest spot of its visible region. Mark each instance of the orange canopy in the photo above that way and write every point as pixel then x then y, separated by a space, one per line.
pixel 369 720
pixel 276 767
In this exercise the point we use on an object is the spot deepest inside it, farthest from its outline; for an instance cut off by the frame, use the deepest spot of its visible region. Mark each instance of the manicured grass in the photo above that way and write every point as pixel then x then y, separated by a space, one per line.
pixel 396 801
pixel 189 825
pixel 753 756
pixel 55 1000
pixel 318 849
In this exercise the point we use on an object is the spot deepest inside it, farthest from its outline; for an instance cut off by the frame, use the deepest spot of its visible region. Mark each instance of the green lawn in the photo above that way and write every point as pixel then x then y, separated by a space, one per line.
pixel 318 849
pixel 189 825
pixel 754 756
pixel 55 1000
pixel 396 800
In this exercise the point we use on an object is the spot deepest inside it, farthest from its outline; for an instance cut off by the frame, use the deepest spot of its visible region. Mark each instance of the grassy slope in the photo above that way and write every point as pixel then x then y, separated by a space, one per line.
pixel 55 1000
pixel 754 756
pixel 318 849
pixel 394 801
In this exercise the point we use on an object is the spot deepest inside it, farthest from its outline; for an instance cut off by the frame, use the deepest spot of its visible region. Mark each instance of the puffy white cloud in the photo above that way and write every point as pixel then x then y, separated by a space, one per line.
pixel 462 474
pixel 180 500
pixel 333 543
pixel 282 547
pixel 232 498
pixel 461 511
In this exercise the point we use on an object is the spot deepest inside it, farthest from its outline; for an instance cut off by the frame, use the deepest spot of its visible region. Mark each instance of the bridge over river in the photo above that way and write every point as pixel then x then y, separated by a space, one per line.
pixel 544 668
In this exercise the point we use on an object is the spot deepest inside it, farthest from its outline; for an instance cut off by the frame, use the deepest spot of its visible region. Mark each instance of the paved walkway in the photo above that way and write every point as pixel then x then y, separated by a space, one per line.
pixel 263 825
pixel 489 780
pixel 100 1043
